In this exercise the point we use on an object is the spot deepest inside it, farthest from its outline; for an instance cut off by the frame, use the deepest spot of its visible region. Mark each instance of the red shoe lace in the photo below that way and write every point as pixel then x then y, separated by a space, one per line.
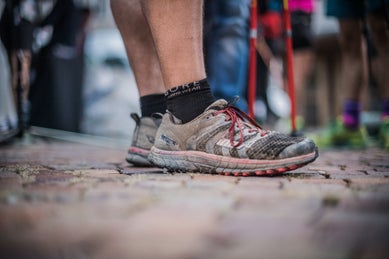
pixel 237 116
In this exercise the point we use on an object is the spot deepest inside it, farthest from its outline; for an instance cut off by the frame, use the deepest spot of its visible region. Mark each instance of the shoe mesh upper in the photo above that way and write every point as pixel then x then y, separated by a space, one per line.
pixel 226 131
pixel 271 146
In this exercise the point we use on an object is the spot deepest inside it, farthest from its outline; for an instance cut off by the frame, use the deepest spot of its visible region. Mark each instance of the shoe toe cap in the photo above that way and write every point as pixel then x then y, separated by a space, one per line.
pixel 303 147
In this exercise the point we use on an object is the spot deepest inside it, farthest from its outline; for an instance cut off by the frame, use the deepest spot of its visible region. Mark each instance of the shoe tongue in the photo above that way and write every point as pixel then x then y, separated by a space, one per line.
pixel 217 105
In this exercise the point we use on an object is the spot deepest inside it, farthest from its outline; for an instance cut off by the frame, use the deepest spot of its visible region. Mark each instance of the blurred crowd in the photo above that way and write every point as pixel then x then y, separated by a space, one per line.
pixel 43 42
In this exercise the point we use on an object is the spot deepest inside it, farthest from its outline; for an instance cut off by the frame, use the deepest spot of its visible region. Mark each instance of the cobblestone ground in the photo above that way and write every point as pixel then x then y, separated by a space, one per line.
pixel 67 200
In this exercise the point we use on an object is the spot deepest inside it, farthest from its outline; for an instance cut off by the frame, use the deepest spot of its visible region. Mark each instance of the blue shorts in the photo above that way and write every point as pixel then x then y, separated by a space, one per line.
pixel 354 8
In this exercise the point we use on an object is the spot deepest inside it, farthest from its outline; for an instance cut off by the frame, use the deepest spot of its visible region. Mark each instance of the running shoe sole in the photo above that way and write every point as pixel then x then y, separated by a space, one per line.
pixel 138 156
pixel 196 161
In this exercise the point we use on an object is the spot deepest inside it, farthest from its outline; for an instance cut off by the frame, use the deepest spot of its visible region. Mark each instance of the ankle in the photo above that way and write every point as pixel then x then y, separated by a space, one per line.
pixel 188 101
pixel 152 103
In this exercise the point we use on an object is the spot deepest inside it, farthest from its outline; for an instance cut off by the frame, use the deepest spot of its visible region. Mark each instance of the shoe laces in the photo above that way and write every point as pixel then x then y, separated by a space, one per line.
pixel 240 119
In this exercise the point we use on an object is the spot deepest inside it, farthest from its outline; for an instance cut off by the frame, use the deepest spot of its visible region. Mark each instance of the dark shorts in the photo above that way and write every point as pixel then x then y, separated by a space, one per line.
pixel 354 8
pixel 301 30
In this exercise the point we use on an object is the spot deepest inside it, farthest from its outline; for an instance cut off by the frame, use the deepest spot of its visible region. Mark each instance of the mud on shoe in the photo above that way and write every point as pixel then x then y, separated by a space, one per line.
pixel 225 140
pixel 337 135
pixel 142 139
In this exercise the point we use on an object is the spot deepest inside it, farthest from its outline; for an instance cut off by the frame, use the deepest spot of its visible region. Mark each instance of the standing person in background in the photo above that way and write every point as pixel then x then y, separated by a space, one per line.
pixel 17 26
pixel 271 47
pixel 197 132
pixel 56 92
pixel 226 44
pixel 351 15
pixel 303 55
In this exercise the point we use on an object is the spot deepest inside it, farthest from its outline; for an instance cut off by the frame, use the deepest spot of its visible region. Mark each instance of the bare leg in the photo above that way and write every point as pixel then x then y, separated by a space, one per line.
pixel 139 46
pixel 143 58
pixel 354 70
pixel 176 26
pixel 303 60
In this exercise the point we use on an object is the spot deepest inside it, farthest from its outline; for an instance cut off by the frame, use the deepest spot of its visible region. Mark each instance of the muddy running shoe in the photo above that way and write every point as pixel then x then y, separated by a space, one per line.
pixel 224 140
pixel 142 139
pixel 337 135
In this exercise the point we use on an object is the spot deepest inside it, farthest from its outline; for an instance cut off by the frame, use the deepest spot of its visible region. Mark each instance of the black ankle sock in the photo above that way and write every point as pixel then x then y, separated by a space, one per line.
pixel 152 103
pixel 188 101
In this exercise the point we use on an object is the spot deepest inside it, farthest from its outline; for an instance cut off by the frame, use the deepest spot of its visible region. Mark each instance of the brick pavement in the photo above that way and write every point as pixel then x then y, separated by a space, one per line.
pixel 68 200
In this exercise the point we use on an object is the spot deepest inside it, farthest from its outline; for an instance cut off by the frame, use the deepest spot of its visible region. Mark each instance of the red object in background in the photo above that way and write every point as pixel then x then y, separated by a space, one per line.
pixel 272 24
pixel 252 78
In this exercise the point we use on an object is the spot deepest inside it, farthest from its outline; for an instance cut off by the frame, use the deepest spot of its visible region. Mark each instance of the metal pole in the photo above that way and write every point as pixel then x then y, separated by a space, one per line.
pixel 289 64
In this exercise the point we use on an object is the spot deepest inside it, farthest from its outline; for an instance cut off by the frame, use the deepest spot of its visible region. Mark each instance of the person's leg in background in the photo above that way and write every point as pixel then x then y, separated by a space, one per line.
pixel 378 22
pixel 303 55
pixel 198 133
pixel 226 44
pixel 270 48
pixel 144 62
pixel 354 70
pixel 18 40
pixel 349 132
